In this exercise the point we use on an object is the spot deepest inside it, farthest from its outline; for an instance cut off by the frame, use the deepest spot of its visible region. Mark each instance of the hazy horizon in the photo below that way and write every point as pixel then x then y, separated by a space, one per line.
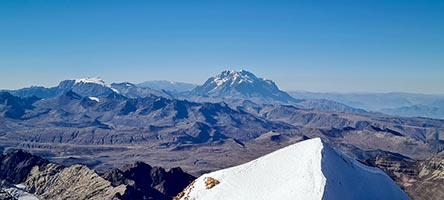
pixel 341 47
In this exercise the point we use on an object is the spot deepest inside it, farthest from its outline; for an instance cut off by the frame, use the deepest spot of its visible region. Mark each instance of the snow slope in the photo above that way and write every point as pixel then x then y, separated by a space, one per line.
pixel 19 192
pixel 306 170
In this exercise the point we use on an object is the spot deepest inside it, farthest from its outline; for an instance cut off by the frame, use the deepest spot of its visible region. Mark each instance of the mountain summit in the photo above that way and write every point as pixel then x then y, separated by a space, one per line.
pixel 306 170
pixel 231 84
pixel 87 87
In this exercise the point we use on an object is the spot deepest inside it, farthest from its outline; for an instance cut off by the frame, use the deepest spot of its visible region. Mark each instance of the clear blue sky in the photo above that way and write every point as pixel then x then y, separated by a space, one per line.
pixel 336 46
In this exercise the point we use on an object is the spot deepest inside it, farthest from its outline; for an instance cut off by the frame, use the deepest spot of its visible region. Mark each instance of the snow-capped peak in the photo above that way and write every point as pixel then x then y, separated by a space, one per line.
pixel 234 77
pixel 306 170
pixel 242 84
pixel 94 80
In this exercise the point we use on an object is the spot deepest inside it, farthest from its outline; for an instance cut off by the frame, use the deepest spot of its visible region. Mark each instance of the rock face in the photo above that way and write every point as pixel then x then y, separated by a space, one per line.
pixel 430 184
pixel 75 182
pixel 146 182
pixel 306 170
pixel 10 191
pixel 15 107
pixel 422 179
pixel 51 181
pixel 16 166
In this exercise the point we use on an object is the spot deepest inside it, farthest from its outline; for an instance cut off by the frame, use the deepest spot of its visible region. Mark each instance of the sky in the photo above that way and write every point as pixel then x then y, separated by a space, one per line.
pixel 321 46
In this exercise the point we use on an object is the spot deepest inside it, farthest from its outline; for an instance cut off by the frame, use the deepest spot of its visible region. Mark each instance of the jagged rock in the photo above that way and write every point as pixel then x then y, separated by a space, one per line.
pixel 147 182
pixel 421 179
pixel 15 166
pixel 10 191
pixel 52 181
pixel 430 183
pixel 74 182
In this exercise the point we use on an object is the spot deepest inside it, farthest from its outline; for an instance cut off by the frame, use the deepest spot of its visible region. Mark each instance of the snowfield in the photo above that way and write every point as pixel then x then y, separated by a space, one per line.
pixel 306 170
pixel 90 80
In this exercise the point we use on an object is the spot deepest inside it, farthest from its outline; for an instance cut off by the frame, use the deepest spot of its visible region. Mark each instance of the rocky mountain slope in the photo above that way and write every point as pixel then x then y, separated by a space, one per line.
pixel 160 118
pixel 421 179
pixel 44 180
pixel 323 104
pixel 419 110
pixel 99 130
pixel 306 170
pixel 146 182
pixel 75 126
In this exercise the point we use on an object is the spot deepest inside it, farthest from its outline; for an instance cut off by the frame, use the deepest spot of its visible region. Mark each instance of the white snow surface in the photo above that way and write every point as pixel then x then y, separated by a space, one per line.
pixel 305 170
pixel 90 80
pixel 94 80
pixel 94 99
pixel 19 192
pixel 235 77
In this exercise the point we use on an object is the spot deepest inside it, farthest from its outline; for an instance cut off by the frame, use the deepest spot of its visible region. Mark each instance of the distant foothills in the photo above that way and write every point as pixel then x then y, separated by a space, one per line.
pixel 215 89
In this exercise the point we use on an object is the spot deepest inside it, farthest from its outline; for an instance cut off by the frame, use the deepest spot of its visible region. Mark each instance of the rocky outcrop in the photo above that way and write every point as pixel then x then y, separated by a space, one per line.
pixel 422 180
pixel 75 182
pixel 15 166
pixel 430 183
pixel 146 182
pixel 51 181
pixel 10 191
pixel 47 180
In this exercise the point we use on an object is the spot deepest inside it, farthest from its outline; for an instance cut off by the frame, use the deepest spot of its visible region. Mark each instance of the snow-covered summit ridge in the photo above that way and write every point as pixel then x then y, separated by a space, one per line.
pixel 235 77
pixel 86 87
pixel 305 170
pixel 94 80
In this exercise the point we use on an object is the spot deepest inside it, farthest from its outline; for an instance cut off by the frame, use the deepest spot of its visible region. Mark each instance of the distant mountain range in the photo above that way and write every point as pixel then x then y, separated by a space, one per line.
pixel 93 87
pixel 115 118
pixel 234 117
pixel 401 104
pixel 235 87
pixel 232 87
pixel 168 85
pixel 420 110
